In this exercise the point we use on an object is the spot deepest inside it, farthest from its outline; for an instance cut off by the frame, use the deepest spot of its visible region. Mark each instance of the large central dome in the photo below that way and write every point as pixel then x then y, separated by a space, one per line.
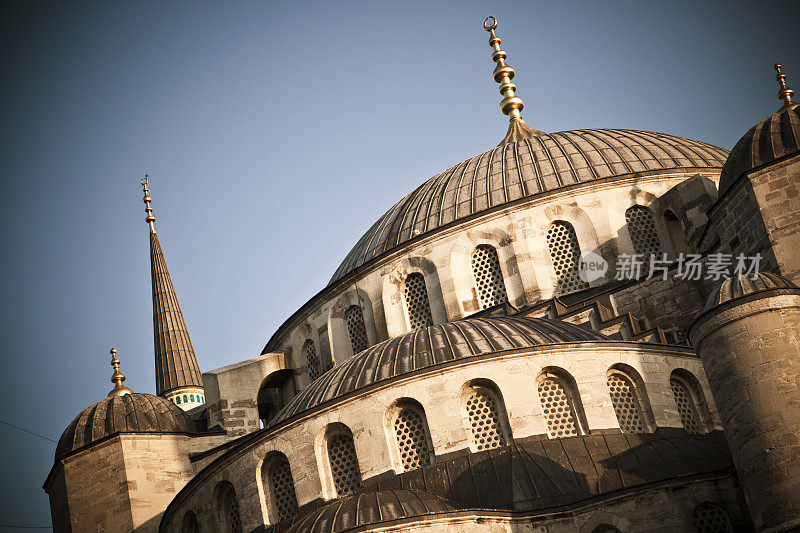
pixel 516 170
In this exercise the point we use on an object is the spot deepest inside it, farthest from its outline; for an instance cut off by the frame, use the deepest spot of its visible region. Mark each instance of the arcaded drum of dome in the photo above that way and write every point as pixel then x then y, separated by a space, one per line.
pixel 131 413
pixel 745 284
pixel 775 137
pixel 522 169
pixel 431 346
pixel 363 509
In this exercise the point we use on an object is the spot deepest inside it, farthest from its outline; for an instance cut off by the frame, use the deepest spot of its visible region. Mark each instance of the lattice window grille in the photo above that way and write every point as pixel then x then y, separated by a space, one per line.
pixel 565 253
pixel 488 276
pixel 312 360
pixel 190 523
pixel 558 408
pixel 485 420
pixel 626 405
pixel 231 510
pixel 711 518
pixel 280 475
pixel 344 464
pixel 686 407
pixel 642 229
pixel 417 304
pixel 356 328
pixel 413 440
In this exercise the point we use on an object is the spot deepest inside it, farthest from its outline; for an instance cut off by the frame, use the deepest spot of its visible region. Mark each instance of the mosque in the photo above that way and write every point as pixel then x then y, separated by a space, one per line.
pixel 591 331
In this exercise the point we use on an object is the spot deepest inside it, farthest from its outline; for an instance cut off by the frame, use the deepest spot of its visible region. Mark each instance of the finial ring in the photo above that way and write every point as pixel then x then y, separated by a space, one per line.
pixel 489 26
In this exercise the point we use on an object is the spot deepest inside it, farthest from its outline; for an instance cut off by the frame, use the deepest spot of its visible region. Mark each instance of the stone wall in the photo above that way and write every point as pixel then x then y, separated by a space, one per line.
pixel 231 392
pixel 751 351
pixel 437 391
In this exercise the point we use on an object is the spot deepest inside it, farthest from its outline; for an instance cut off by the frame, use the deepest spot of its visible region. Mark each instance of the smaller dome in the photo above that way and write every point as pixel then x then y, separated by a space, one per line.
pixel 775 137
pixel 431 346
pixel 363 509
pixel 130 413
pixel 742 285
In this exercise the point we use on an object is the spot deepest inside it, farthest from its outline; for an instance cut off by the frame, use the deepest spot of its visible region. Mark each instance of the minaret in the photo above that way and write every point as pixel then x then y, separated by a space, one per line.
pixel 511 105
pixel 177 373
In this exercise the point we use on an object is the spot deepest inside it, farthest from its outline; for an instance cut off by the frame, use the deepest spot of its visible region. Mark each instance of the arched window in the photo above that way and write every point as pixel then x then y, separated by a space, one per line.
pixel 488 276
pixel 178 400
pixel 625 402
pixel 417 304
pixel 565 252
pixel 686 404
pixel 228 508
pixel 486 417
pixel 642 229
pixel 561 405
pixel 676 234
pixel 310 350
pixel 343 461
pixel 356 328
pixel 191 398
pixel 606 528
pixel 711 518
pixel 414 444
pixel 273 393
pixel 276 475
pixel 185 399
pixel 190 523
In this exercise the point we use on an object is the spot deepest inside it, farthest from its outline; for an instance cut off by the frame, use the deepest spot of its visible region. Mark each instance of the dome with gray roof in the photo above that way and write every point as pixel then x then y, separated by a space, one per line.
pixel 131 413
pixel 522 169
pixel 432 346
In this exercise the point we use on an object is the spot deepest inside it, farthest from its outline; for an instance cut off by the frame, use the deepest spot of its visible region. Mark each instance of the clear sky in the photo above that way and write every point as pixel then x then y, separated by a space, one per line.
pixel 275 134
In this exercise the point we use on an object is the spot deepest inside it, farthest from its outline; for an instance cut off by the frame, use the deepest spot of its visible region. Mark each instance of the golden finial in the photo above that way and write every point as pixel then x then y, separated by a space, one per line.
pixel 150 218
pixel 784 93
pixel 117 378
pixel 511 104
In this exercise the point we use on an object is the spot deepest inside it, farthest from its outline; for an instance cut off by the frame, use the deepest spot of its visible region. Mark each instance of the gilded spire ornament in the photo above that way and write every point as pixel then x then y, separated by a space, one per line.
pixel 511 105
pixel 117 377
pixel 150 218
pixel 784 93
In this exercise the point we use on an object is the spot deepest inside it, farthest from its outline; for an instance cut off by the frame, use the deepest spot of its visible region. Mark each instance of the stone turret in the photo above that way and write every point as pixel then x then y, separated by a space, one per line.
pixel 748 338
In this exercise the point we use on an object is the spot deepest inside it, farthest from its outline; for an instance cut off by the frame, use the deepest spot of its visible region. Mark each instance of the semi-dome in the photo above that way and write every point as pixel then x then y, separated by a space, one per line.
pixel 131 413
pixel 365 508
pixel 431 346
pixel 775 137
pixel 742 285
pixel 522 169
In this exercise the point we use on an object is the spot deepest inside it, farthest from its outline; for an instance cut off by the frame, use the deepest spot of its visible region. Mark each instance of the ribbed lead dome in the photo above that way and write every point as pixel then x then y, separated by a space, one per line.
pixel 430 346
pixel 742 285
pixel 775 137
pixel 525 168
pixel 131 413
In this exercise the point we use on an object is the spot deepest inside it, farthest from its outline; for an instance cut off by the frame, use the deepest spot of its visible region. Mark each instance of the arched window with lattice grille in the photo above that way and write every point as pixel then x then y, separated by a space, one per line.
pixel 228 508
pixel 626 403
pixel 642 229
pixel 485 416
pixel 686 404
pixel 711 518
pixel 356 328
pixel 276 476
pixel 344 467
pixel 488 276
pixel 410 426
pixel 561 405
pixel 190 523
pixel 312 360
pixel 417 305
pixel 565 252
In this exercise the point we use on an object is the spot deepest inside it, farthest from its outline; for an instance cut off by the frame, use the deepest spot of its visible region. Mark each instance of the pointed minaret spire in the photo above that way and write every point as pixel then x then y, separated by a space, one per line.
pixel 177 372
pixel 784 93
pixel 117 377
pixel 511 104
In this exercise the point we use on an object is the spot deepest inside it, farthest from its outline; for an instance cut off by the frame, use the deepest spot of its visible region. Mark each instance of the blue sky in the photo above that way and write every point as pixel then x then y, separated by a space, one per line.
pixel 275 134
